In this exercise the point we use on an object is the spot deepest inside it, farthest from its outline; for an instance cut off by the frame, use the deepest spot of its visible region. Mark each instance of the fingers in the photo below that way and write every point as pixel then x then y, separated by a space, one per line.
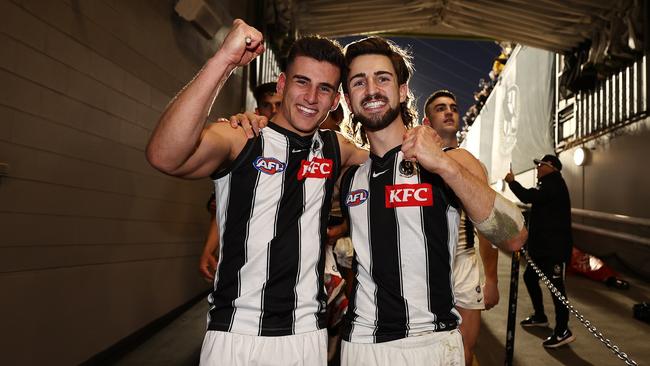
pixel 408 145
pixel 416 140
pixel 250 122
pixel 243 43
pixel 204 270
pixel 491 303
pixel 256 121
pixel 242 120
pixel 251 37
pixel 212 265
pixel 259 49
pixel 207 267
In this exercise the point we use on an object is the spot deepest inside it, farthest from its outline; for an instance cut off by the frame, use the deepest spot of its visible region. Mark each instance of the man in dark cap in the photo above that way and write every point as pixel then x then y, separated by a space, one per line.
pixel 549 242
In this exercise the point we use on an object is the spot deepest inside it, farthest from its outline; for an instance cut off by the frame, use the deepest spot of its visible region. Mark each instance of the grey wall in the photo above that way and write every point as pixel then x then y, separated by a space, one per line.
pixel 615 180
pixel 94 243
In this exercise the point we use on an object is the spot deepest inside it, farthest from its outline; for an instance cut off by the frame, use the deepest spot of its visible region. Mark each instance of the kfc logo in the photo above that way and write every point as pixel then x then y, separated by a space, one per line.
pixel 355 198
pixel 269 166
pixel 401 195
pixel 315 168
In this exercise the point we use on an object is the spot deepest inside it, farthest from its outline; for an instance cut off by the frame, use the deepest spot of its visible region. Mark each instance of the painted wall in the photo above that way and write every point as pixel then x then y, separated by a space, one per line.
pixel 94 243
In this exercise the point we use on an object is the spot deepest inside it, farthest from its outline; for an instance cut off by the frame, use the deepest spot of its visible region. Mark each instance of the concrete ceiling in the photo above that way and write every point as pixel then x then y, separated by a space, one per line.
pixel 558 26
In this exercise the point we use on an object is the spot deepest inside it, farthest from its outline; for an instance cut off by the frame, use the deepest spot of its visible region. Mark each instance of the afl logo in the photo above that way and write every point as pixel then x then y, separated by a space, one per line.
pixel 355 198
pixel 269 166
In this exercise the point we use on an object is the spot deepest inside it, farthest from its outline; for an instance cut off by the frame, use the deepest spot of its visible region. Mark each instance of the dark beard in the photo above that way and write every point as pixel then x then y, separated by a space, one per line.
pixel 377 123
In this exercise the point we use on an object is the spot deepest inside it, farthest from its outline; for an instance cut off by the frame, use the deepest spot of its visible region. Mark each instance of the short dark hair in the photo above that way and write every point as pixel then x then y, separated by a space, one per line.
pixel 337 114
pixel 402 62
pixel 320 49
pixel 263 90
pixel 437 94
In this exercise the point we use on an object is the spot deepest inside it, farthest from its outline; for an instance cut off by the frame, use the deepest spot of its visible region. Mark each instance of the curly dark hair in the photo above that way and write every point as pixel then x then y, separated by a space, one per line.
pixel 402 62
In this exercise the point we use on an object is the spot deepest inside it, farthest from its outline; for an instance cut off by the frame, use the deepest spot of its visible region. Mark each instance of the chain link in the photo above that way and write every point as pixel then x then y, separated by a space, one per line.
pixel 590 327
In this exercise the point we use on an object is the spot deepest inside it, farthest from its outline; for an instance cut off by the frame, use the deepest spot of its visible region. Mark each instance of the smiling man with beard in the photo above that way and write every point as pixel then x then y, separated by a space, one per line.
pixel 403 206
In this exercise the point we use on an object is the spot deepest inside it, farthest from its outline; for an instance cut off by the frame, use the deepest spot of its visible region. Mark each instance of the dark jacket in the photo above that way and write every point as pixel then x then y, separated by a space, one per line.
pixel 549 231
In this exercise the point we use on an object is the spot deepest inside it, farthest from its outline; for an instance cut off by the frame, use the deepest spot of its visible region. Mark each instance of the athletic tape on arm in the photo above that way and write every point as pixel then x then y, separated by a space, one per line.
pixel 504 222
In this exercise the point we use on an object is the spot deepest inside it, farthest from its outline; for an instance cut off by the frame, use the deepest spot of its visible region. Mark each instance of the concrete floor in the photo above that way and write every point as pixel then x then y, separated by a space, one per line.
pixel 179 344
pixel 610 310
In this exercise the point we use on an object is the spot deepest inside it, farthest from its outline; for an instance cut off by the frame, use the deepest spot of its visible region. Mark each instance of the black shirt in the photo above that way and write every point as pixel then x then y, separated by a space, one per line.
pixel 549 231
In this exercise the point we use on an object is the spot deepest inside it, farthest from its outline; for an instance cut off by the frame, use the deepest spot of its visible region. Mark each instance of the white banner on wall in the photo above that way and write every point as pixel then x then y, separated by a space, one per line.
pixel 515 123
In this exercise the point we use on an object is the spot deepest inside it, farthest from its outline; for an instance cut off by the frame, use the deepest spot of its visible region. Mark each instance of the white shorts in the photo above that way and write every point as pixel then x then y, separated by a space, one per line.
pixel 431 348
pixel 467 282
pixel 223 348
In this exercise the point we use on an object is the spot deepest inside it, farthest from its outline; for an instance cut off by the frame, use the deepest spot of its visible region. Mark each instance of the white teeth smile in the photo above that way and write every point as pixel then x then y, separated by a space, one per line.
pixel 374 104
pixel 306 110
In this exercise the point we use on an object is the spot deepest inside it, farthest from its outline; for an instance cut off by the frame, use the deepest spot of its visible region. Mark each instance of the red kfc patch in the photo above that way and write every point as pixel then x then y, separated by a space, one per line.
pixel 401 195
pixel 315 168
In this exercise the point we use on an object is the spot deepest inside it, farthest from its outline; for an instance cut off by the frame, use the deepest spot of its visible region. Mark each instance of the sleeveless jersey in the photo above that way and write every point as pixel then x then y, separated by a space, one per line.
pixel 404 226
pixel 272 209
pixel 466 236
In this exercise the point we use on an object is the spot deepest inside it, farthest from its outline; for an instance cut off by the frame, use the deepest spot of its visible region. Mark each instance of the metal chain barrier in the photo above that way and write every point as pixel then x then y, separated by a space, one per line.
pixel 590 327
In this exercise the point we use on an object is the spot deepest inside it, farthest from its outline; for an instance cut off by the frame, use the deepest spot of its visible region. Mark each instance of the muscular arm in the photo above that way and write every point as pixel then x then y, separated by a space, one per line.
pixel 464 174
pixel 179 144
pixel 489 257
pixel 496 218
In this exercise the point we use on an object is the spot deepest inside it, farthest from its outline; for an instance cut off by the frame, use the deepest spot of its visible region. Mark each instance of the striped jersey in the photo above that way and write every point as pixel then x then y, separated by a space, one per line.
pixel 404 226
pixel 466 236
pixel 272 209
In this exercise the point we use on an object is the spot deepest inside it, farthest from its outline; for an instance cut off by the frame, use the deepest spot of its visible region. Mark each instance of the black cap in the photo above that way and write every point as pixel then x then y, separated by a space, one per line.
pixel 551 159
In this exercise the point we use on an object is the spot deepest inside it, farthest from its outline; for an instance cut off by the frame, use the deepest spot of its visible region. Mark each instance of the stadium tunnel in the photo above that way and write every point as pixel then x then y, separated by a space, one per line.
pixel 98 252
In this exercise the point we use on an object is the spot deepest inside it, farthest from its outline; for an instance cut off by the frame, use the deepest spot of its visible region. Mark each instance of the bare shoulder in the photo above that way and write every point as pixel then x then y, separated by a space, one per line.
pixel 461 155
pixel 468 161
pixel 222 134
pixel 351 153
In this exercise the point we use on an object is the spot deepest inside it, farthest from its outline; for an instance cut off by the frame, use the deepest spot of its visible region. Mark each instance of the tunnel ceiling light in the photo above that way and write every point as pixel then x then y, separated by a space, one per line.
pixel 580 156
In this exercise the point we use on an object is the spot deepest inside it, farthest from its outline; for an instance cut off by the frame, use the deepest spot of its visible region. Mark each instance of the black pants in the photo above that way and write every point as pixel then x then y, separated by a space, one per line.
pixel 555 273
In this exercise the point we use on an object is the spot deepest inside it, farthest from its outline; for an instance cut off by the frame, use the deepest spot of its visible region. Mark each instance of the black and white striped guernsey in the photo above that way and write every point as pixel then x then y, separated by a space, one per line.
pixel 466 236
pixel 404 228
pixel 272 209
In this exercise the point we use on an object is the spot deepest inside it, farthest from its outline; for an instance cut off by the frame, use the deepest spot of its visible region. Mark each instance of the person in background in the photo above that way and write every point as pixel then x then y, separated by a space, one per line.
pixel 549 243
pixel 441 113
